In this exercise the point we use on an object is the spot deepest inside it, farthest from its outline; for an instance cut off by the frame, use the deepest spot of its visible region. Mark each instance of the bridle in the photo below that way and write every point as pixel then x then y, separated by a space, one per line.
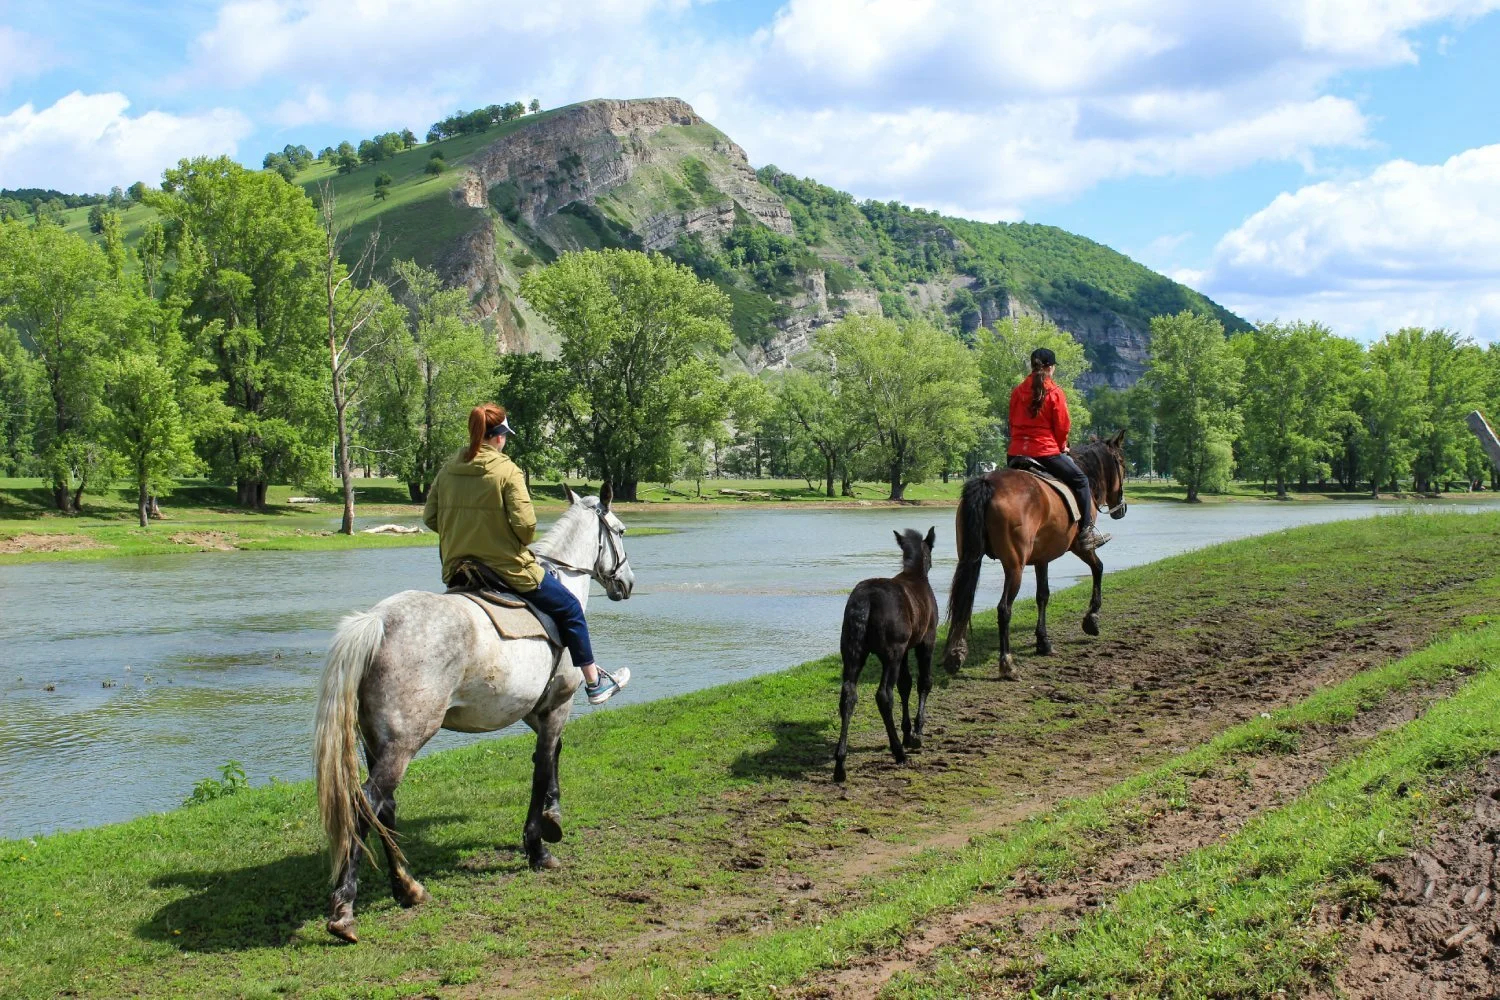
pixel 609 542
pixel 1105 508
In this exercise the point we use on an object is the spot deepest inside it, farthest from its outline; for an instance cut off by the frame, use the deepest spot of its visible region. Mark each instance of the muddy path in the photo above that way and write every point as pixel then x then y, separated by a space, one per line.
pixel 1185 654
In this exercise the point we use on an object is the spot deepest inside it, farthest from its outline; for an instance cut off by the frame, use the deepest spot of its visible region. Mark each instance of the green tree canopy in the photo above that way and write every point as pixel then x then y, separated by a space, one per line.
pixel 1195 376
pixel 635 331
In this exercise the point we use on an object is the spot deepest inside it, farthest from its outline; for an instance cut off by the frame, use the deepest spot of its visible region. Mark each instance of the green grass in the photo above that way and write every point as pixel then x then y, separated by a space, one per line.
pixel 1235 920
pixel 226 898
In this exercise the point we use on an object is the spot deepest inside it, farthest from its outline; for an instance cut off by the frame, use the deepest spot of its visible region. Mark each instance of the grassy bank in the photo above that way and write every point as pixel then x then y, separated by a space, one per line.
pixel 706 846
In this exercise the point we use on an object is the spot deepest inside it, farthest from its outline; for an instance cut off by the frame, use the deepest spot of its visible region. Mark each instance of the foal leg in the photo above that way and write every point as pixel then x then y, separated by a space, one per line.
pixel 890 666
pixel 924 685
pixel 1091 620
pixel 848 695
pixel 903 684
pixel 1043 593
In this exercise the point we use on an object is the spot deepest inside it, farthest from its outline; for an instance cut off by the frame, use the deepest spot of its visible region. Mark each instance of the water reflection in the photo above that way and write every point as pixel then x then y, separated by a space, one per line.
pixel 164 667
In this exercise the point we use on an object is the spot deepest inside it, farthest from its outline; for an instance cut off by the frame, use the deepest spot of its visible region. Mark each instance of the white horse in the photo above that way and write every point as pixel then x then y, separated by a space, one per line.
pixel 418 662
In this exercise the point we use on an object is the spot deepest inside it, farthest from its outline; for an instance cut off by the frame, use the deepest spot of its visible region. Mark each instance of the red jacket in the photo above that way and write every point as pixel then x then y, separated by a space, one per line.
pixel 1045 434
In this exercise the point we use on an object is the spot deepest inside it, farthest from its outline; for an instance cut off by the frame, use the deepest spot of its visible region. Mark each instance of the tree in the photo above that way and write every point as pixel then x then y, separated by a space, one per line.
pixel 408 138
pixel 382 186
pixel 527 384
pixel 96 218
pixel 534 106
pixel 247 247
pixel 52 287
pixel 433 135
pixel 915 386
pixel 146 425
pixel 347 159
pixel 634 331
pixel 1285 400
pixel 116 199
pixel 436 165
pixel 21 397
pixel 1196 377
pixel 1005 359
pixel 351 301
pixel 1392 413
pixel 430 367
pixel 1451 369
pixel 137 192
pixel 822 422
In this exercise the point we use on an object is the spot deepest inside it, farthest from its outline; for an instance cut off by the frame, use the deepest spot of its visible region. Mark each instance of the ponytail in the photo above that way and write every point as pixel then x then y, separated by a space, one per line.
pixel 1038 389
pixel 481 419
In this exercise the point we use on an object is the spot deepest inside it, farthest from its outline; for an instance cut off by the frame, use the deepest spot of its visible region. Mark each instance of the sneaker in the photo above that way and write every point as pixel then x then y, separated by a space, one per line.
pixel 1092 538
pixel 608 685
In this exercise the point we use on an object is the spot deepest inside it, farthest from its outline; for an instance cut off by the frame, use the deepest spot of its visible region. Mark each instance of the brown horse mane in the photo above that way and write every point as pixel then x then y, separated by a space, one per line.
pixel 1097 458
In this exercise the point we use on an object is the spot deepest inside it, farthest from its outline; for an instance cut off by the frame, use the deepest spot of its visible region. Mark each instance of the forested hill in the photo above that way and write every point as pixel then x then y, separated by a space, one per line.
pixel 484 205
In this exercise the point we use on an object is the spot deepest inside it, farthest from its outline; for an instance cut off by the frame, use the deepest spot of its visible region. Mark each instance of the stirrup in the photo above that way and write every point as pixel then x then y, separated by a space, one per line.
pixel 1091 538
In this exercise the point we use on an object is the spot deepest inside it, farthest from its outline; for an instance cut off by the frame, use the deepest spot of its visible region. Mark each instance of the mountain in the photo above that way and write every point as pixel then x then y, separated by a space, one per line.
pixel 791 254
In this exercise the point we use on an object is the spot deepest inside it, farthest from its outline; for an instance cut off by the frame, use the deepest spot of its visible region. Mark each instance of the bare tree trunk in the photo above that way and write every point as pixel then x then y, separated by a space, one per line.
pixel 143 502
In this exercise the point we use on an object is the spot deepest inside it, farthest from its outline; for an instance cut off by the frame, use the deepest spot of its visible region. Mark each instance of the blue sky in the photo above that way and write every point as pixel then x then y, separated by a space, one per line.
pixel 1320 159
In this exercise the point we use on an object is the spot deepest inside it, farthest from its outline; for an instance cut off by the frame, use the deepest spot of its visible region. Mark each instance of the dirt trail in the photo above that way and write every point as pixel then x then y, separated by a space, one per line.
pixel 1007 921
pixel 1437 922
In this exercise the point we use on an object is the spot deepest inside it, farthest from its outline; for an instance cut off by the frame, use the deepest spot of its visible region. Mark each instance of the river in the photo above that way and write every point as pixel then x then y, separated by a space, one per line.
pixel 163 667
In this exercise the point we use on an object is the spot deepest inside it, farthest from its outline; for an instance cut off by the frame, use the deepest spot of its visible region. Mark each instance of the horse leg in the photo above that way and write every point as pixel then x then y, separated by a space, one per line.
pixel 848 695
pixel 924 685
pixel 1002 617
pixel 890 666
pixel 1091 619
pixel 903 684
pixel 346 885
pixel 544 815
pixel 381 791
pixel 1043 593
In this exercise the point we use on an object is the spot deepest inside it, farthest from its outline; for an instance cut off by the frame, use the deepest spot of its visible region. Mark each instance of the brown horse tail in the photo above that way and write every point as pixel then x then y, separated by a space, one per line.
pixel 336 738
pixel 973 511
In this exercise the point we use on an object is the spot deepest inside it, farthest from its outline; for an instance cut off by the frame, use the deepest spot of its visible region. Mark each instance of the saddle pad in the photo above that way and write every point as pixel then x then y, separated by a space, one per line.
pixel 512 617
pixel 1070 502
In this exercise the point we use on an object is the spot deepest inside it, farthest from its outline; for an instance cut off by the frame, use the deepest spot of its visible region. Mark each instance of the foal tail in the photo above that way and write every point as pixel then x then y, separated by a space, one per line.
pixel 973 511
pixel 336 737
pixel 854 641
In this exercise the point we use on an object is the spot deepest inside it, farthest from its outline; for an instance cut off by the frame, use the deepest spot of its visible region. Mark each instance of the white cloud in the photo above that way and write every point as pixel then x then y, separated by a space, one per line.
pixel 87 142
pixel 21 56
pixel 1407 244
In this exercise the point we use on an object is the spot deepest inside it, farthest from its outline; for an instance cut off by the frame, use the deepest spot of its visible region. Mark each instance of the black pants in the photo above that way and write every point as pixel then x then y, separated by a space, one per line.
pixel 1067 470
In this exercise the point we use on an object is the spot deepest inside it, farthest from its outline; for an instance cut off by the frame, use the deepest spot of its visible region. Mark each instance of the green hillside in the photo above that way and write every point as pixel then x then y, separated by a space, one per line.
pixel 841 254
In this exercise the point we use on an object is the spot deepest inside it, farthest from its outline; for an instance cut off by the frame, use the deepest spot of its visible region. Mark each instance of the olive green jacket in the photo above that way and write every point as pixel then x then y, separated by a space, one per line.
pixel 481 511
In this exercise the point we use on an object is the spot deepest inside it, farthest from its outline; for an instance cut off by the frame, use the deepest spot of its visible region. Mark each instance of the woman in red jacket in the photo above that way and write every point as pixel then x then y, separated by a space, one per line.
pixel 1039 426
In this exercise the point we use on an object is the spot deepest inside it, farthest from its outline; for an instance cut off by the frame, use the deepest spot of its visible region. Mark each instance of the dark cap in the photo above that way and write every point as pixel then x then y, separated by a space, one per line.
pixel 503 427
pixel 1043 357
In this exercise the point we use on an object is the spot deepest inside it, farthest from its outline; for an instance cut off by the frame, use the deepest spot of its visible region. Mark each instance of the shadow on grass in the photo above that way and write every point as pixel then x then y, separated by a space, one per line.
pixel 264 905
pixel 800 747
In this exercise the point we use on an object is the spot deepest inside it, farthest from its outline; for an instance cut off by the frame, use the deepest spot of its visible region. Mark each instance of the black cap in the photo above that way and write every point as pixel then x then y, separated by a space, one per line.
pixel 503 427
pixel 1043 357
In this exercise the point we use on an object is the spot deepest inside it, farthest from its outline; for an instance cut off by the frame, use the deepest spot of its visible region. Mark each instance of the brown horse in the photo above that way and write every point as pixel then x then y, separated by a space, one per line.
pixel 1014 517
pixel 891 618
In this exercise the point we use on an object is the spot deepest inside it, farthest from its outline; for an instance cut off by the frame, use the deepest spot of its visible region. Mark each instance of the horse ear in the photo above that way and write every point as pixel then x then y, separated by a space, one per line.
pixel 1118 439
pixel 899 540
pixel 606 494
pixel 569 494
pixel 931 538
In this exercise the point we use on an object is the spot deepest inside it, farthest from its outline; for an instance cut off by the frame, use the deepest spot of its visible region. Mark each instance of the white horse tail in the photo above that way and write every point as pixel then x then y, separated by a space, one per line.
pixel 336 738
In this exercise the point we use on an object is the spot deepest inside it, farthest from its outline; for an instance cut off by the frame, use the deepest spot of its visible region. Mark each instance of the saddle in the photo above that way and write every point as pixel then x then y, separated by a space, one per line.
pixel 513 616
pixel 1032 467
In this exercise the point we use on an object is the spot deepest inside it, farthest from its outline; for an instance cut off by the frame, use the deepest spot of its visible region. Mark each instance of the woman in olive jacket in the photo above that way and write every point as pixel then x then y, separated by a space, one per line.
pixel 482 512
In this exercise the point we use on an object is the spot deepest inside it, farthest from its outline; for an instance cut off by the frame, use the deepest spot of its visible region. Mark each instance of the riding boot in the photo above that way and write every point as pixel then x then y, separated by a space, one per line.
pixel 1089 536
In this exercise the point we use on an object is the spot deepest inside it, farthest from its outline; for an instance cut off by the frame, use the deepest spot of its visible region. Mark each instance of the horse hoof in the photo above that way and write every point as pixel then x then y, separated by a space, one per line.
pixel 1044 649
pixel 912 742
pixel 413 894
pixel 1091 624
pixel 545 863
pixel 953 661
pixel 1007 667
pixel 552 825
pixel 343 929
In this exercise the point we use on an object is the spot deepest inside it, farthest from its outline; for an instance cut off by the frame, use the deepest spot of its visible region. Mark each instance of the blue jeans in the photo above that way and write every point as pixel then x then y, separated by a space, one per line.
pixel 557 601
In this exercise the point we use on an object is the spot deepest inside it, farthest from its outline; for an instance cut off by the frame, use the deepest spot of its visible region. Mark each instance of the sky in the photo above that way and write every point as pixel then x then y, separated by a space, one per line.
pixel 1329 160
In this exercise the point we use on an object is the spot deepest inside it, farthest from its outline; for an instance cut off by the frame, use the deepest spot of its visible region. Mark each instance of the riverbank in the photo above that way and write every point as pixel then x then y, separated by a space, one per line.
pixel 201 517
pixel 707 849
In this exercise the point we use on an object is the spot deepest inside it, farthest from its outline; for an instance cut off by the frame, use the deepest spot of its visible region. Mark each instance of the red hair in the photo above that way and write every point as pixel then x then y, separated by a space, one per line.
pixel 481 419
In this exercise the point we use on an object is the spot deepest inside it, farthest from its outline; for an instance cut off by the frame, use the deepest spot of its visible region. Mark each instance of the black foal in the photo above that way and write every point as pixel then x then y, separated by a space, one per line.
pixel 891 618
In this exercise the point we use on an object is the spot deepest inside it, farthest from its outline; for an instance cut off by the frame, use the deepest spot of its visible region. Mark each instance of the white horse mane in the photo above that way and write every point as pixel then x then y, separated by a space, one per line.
pixel 574 539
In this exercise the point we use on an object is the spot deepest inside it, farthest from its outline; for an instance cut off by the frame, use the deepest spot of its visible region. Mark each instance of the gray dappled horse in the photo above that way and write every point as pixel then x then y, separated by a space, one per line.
pixel 418 662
